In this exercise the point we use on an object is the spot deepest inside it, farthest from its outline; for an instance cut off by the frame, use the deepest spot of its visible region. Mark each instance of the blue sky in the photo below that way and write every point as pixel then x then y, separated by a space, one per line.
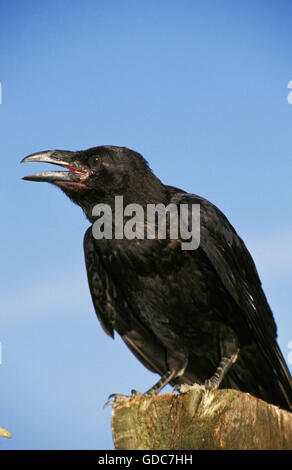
pixel 200 89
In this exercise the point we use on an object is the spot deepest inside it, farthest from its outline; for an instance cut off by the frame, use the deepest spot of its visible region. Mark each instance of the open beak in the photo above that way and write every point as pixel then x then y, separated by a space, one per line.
pixel 64 158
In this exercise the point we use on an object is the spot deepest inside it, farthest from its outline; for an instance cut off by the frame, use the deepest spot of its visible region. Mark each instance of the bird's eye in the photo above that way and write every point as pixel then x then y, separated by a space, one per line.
pixel 93 160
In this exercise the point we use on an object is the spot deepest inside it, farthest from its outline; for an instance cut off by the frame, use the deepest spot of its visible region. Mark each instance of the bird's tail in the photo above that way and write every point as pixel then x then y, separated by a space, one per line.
pixel 270 381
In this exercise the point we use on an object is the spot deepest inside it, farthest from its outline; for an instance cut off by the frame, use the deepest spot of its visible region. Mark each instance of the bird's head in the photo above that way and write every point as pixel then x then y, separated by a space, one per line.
pixel 99 174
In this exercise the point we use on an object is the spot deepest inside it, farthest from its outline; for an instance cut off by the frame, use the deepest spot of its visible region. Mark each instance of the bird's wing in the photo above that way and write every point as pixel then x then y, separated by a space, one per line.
pixel 236 269
pixel 101 287
pixel 115 313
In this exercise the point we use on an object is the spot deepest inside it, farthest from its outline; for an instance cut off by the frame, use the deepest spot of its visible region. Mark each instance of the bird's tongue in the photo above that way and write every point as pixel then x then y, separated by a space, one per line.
pixel 73 168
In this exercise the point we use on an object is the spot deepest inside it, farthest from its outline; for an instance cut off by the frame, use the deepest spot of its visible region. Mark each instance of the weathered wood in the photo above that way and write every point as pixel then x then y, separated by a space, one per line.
pixel 200 419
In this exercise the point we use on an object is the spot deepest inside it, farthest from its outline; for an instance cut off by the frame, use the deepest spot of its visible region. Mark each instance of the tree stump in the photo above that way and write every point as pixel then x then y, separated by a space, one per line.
pixel 200 419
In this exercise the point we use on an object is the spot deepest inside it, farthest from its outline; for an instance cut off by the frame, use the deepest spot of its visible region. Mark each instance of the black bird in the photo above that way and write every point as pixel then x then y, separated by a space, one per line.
pixel 192 316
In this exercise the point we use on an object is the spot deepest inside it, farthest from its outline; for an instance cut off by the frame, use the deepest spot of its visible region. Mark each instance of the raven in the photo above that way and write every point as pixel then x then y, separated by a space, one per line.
pixel 192 316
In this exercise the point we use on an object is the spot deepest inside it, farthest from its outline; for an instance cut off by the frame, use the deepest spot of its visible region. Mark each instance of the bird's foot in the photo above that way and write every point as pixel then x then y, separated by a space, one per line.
pixel 184 388
pixel 211 384
pixel 117 398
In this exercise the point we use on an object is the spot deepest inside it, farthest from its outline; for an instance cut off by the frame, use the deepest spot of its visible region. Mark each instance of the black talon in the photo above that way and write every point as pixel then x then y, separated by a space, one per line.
pixel 135 393
pixel 117 398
